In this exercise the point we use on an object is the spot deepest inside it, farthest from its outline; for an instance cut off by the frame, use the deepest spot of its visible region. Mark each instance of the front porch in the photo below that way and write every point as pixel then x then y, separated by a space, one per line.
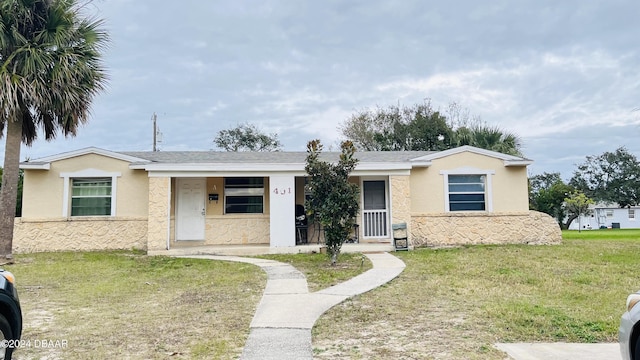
pixel 264 249
pixel 229 213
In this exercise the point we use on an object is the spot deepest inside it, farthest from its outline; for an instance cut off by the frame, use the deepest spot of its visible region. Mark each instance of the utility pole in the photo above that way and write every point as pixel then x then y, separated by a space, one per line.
pixel 155 131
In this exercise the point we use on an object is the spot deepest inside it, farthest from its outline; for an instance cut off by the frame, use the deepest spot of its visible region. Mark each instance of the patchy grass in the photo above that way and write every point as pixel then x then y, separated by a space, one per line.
pixel 447 304
pixel 318 270
pixel 456 303
pixel 124 305
pixel 602 234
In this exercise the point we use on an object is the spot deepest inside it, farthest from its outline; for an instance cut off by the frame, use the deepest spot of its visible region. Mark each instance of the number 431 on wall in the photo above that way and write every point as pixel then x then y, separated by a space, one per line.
pixel 282 191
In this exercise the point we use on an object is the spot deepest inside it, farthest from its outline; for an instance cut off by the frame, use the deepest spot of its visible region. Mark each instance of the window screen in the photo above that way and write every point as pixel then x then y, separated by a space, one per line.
pixel 91 197
pixel 467 192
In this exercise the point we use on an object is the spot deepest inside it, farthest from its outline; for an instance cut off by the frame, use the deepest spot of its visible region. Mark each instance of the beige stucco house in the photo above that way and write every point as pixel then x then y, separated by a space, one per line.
pixel 98 199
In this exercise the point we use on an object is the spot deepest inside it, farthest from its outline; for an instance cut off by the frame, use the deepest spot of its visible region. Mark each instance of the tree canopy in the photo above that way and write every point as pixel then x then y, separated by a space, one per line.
pixel 420 127
pixel 247 137
pixel 490 138
pixel 397 128
pixel 50 71
pixel 576 205
pixel 547 194
pixel 611 177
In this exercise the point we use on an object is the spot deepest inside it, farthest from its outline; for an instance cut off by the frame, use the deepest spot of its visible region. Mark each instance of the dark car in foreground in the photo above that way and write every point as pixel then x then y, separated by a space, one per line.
pixel 10 315
pixel 629 332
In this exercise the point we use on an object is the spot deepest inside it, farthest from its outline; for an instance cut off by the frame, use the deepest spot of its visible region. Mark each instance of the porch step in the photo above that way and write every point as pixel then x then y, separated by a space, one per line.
pixel 253 250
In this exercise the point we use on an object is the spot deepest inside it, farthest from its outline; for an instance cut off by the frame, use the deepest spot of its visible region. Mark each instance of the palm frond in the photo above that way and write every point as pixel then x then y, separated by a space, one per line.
pixel 50 65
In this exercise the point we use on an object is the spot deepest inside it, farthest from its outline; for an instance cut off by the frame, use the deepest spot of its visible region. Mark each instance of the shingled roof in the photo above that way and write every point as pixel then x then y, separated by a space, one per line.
pixel 267 161
pixel 275 157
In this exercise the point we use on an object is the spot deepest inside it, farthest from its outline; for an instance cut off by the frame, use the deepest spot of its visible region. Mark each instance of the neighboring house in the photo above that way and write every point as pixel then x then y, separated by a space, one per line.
pixel 608 215
pixel 98 199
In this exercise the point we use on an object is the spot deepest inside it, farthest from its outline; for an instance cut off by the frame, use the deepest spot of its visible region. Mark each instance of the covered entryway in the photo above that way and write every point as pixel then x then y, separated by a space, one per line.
pixel 374 213
pixel 190 209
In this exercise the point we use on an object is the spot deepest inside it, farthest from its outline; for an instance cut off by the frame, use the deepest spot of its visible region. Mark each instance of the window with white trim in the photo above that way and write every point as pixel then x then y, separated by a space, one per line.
pixel 89 192
pixel 467 192
pixel 244 195
pixel 632 214
pixel 609 213
pixel 91 197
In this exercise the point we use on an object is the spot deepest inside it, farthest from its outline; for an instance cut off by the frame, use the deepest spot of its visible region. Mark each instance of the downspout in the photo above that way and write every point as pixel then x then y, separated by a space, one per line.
pixel 390 206
pixel 169 216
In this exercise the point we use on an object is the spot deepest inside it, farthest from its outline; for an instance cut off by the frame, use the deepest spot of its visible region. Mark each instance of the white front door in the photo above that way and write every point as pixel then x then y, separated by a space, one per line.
pixel 190 209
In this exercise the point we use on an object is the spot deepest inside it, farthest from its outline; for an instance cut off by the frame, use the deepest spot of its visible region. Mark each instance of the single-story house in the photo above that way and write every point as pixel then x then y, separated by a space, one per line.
pixel 608 215
pixel 93 199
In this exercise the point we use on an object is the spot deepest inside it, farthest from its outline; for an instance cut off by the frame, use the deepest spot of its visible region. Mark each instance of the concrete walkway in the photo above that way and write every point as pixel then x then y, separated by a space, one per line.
pixel 561 351
pixel 281 326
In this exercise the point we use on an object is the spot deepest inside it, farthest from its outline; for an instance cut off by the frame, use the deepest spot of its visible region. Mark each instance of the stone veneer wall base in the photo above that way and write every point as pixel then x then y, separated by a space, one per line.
pixel 447 229
pixel 79 234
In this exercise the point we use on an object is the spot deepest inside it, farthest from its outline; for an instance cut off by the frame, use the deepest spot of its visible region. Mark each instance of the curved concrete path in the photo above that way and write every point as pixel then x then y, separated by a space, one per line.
pixel 281 326
pixel 561 351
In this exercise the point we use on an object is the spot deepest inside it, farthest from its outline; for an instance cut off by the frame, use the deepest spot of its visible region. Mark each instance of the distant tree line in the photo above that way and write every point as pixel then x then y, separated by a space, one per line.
pixel 612 177
pixel 420 127
pixel 394 128
pixel 247 137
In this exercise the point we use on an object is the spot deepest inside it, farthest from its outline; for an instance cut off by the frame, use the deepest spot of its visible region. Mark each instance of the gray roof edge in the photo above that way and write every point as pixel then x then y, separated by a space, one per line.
pixel 84 151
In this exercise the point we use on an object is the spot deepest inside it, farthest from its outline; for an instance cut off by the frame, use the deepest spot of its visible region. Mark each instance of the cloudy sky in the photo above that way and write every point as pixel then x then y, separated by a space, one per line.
pixel 564 75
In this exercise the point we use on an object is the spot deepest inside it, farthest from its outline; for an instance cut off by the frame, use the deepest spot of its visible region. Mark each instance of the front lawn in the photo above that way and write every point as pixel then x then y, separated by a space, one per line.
pixel 123 305
pixel 456 303
pixel 126 305
pixel 318 270
pixel 447 304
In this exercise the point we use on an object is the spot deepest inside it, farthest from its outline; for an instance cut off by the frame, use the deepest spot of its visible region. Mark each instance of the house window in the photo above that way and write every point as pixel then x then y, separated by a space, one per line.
pixel 91 197
pixel 244 195
pixel 632 214
pixel 89 192
pixel 467 192
pixel 609 212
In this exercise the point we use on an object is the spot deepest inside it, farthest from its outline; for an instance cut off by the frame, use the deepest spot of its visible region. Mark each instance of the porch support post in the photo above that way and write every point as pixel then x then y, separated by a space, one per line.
pixel 158 221
pixel 282 212
pixel 400 193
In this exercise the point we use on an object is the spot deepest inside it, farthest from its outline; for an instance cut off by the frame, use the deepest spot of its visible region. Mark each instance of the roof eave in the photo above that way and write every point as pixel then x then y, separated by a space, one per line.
pixel 90 150
pixel 264 167
pixel 420 164
pixel 35 166
pixel 524 162
pixel 248 167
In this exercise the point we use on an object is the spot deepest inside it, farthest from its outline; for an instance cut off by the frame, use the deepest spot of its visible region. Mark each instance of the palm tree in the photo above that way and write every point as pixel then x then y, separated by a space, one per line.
pixel 490 138
pixel 50 71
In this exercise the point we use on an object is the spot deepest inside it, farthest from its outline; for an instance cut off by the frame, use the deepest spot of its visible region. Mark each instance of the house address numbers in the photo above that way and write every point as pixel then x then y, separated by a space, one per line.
pixel 285 191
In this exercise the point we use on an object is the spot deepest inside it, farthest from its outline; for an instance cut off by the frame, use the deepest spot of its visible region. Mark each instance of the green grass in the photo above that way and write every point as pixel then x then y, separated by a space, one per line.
pixel 110 305
pixel 127 305
pixel 318 270
pixel 456 303
pixel 602 234
pixel 447 304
